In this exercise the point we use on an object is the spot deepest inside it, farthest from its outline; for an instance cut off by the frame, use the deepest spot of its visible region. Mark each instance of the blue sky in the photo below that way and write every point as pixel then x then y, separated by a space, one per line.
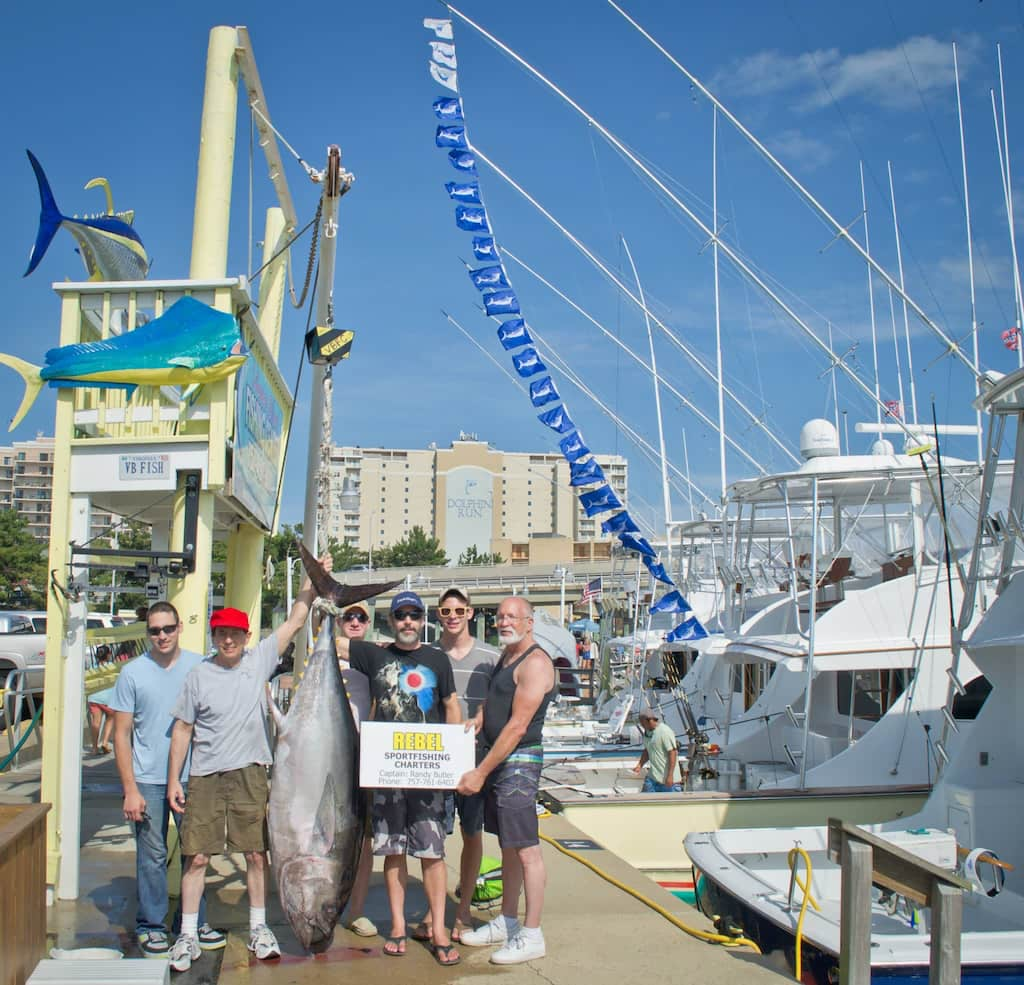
pixel 117 91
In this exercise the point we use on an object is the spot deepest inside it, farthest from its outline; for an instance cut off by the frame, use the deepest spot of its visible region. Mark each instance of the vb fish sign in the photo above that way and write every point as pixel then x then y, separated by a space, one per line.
pixel 405 754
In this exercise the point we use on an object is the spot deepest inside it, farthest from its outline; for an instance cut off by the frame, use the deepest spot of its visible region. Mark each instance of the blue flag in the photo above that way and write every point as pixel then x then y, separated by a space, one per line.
pixel 462 160
pixel 657 571
pixel 543 392
pixel 449 109
pixel 585 473
pixel 619 524
pixel 513 333
pixel 527 362
pixel 634 542
pixel 557 419
pixel 502 302
pixel 573 447
pixel 471 218
pixel 463 191
pixel 688 629
pixel 484 278
pixel 599 500
pixel 671 602
pixel 484 248
pixel 451 136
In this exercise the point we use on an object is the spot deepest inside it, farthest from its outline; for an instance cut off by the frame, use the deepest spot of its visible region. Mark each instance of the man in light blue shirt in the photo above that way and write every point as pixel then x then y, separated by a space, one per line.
pixel 143 698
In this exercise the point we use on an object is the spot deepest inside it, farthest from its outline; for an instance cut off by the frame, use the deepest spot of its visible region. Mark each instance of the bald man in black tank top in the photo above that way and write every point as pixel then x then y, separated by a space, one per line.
pixel 511 719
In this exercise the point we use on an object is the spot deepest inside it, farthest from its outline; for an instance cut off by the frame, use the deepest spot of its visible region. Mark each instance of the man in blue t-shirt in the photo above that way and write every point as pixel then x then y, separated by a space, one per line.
pixel 143 697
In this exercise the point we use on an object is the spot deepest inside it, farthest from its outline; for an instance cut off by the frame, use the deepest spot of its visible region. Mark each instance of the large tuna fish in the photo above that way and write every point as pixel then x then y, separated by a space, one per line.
pixel 316 807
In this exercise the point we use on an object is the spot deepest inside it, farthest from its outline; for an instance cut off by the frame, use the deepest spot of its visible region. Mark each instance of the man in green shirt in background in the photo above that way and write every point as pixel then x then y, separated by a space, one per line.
pixel 660 751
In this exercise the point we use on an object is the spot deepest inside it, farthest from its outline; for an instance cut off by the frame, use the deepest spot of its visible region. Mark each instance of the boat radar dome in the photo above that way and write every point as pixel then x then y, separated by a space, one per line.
pixel 882 447
pixel 818 439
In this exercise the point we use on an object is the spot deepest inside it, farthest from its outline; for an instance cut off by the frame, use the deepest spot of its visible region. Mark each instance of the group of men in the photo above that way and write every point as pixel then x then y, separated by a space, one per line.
pixel 191 741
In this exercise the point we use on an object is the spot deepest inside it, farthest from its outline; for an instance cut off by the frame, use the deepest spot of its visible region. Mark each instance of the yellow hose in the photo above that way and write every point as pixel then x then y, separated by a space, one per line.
pixel 703 935
pixel 794 854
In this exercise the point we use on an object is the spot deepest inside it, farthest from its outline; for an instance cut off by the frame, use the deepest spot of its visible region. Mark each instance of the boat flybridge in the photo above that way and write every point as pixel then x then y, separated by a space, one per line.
pixel 840 686
pixel 970 821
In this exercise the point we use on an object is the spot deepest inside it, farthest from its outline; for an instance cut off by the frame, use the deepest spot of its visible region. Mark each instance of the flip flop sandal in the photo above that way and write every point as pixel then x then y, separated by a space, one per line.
pixel 395 942
pixel 421 932
pixel 445 954
pixel 457 931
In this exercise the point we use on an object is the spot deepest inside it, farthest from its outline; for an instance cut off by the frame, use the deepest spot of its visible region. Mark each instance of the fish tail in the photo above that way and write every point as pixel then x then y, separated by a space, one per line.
pixel 33 384
pixel 50 217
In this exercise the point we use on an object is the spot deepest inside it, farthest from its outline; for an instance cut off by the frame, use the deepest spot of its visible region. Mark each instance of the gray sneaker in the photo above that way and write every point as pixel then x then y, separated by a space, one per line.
pixel 263 943
pixel 153 943
pixel 210 939
pixel 185 951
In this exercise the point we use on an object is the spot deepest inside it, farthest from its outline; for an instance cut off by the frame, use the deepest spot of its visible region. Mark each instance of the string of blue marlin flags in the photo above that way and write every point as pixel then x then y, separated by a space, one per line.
pixel 500 302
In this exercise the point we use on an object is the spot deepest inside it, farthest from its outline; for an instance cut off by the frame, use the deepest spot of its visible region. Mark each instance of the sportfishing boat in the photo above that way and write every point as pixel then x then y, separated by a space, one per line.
pixel 969 821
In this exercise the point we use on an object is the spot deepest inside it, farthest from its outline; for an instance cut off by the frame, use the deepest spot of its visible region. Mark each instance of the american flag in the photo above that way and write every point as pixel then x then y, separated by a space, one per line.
pixel 592 591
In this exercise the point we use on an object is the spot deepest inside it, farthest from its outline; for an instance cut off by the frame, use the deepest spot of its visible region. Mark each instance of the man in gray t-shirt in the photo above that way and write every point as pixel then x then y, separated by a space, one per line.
pixel 473 663
pixel 221 714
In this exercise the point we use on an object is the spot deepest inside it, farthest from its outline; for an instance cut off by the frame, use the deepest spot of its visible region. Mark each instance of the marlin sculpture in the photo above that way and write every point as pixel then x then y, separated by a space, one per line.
pixel 110 247
pixel 191 343
pixel 317 810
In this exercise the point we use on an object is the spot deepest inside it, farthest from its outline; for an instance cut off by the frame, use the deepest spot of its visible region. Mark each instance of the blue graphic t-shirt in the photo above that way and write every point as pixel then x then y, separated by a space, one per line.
pixel 406 685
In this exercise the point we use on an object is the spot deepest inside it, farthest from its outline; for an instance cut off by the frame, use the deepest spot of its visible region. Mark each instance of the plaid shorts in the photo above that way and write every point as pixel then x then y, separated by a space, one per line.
pixel 510 809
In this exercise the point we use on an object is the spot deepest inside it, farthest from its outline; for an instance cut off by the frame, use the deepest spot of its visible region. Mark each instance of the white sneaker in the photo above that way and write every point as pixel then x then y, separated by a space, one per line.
pixel 495 932
pixel 184 952
pixel 519 949
pixel 263 943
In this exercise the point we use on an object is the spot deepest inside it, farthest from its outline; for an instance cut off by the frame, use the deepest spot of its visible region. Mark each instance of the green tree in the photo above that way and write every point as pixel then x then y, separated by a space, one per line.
pixel 414 549
pixel 23 576
pixel 472 556
pixel 345 555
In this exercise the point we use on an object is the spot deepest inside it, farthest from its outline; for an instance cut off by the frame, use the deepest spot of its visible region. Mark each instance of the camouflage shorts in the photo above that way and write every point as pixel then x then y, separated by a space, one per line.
pixel 408 822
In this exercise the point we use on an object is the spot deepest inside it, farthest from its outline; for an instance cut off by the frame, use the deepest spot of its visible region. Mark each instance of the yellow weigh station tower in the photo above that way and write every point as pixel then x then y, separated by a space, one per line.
pixel 199 466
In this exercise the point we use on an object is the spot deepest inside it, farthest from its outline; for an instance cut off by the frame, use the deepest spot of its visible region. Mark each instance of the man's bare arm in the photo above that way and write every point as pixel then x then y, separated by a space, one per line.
pixel 134 802
pixel 181 738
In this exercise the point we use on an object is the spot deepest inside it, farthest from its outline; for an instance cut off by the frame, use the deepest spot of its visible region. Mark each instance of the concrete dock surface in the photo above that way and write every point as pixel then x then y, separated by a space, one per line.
pixel 594 931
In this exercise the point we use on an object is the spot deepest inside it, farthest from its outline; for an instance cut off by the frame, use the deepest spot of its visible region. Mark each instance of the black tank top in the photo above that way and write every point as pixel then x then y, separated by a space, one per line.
pixel 498 706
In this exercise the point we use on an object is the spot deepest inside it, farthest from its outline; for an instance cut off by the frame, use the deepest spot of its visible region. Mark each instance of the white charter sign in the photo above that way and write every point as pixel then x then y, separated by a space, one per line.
pixel 407 754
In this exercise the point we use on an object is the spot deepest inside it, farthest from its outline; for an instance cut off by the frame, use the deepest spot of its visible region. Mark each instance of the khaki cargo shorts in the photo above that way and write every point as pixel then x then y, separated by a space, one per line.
pixel 226 812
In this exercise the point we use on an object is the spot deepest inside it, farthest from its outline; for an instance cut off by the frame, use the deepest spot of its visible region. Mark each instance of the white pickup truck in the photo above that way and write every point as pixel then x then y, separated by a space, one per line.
pixel 21 647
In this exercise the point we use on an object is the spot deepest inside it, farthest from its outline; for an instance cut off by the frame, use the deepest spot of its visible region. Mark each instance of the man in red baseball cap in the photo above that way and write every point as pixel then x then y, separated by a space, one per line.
pixel 221 713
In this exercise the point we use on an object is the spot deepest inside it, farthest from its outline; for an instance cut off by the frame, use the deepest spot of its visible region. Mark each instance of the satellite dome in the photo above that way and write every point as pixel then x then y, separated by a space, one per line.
pixel 819 438
pixel 882 447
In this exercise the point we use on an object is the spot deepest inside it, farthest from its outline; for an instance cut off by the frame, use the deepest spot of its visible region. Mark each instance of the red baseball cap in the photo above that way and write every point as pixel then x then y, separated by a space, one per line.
pixel 229 618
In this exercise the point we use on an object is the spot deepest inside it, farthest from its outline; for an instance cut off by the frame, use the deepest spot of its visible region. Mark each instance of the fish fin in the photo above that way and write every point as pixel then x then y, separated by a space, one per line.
pixel 334 591
pixel 33 384
pixel 187 362
pixel 323 824
pixel 275 711
pixel 49 216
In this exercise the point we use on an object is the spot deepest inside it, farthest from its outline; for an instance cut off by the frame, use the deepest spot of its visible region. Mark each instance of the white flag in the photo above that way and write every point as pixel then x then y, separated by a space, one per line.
pixel 447 78
pixel 444 53
pixel 441 28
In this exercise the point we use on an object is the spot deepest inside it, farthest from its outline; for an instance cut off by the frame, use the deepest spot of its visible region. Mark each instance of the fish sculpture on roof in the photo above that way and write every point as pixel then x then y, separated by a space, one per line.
pixel 190 343
pixel 109 245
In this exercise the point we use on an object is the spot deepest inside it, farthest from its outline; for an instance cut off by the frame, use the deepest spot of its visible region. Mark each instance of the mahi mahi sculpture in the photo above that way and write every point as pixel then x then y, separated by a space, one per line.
pixel 190 343
pixel 316 812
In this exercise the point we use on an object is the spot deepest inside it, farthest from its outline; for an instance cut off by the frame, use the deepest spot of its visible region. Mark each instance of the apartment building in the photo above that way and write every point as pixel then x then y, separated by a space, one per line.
pixel 469 495
pixel 26 486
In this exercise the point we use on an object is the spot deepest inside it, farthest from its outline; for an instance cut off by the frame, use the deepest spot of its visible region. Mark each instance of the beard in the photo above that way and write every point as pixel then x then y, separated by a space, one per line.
pixel 509 636
pixel 408 635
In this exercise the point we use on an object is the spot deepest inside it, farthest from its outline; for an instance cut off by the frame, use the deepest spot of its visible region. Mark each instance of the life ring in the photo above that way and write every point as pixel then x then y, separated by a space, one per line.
pixel 984 856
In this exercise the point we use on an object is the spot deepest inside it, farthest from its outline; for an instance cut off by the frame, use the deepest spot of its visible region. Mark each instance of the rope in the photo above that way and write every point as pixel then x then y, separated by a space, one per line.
pixel 296 302
pixel 312 172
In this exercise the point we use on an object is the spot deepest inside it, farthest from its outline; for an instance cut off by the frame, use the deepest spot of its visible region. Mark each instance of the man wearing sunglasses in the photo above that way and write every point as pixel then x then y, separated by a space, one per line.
pixel 473 663
pixel 145 693
pixel 410 682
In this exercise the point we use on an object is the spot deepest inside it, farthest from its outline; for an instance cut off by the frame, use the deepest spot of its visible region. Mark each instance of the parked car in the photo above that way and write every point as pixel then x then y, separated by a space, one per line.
pixel 21 648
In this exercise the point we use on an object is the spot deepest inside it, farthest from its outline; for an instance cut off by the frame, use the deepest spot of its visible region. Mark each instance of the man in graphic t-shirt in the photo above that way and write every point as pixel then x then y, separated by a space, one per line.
pixel 409 682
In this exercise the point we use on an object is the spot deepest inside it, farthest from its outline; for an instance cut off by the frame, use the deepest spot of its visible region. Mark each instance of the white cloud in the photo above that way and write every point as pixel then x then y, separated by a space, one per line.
pixel 887 77
pixel 797 149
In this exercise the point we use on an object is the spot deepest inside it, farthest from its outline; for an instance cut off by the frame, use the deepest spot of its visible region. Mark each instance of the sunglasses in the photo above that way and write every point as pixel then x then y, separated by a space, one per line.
pixel 414 614
pixel 457 610
pixel 165 630
pixel 357 616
